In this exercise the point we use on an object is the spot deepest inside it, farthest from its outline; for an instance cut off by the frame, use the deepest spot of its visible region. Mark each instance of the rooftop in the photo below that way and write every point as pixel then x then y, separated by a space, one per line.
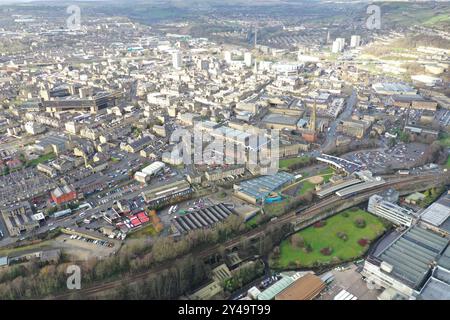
pixel 412 253
pixel 262 186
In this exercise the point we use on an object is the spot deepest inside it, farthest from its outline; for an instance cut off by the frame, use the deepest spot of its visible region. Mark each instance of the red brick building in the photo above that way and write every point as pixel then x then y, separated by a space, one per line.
pixel 63 195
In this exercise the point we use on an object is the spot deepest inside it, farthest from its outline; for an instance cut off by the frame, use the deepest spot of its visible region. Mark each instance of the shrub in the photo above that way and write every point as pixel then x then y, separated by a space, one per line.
pixel 360 223
pixel 326 251
pixel 363 242
pixel 353 209
pixel 342 236
pixel 345 214
pixel 320 224
pixel 307 248
pixel 335 260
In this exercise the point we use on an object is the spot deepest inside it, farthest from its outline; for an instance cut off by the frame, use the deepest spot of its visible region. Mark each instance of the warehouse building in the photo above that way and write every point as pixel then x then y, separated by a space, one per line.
pixel 201 218
pixel 167 193
pixel 256 190
pixel 145 174
pixel 405 264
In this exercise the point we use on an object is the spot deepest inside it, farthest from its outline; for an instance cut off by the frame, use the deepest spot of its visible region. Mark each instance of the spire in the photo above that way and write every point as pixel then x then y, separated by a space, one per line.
pixel 312 124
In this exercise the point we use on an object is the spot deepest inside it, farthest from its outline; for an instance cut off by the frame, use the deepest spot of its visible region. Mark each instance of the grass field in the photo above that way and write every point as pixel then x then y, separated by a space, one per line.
pixel 252 222
pixel 306 186
pixel 147 231
pixel 41 159
pixel 285 163
pixel 309 186
pixel 326 236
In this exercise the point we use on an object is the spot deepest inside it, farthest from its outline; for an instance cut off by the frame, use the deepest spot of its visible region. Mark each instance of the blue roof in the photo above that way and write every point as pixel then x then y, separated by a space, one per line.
pixel 260 187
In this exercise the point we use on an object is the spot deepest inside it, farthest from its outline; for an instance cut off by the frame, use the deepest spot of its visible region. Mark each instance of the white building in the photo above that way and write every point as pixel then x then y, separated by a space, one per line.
pixel 34 128
pixel 154 168
pixel 390 211
pixel 248 59
pixel 355 41
pixel 177 61
pixel 426 80
pixel 338 45
pixel 227 56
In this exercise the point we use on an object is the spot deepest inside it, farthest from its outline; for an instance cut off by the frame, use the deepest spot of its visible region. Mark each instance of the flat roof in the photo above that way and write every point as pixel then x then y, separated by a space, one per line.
pixel 262 186
pixel 438 212
pixel 437 287
pixel 359 187
pixel 305 288
pixel 280 119
pixel 335 187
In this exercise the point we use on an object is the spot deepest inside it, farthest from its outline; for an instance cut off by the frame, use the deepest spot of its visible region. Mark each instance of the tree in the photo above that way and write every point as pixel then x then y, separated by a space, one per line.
pixel 360 223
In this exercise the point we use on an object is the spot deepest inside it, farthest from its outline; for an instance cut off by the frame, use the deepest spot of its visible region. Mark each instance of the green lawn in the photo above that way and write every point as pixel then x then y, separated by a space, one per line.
pixel 306 186
pixel 309 186
pixel 147 231
pixel 447 164
pixel 252 222
pixel 445 140
pixel 285 163
pixel 41 159
pixel 327 174
pixel 326 236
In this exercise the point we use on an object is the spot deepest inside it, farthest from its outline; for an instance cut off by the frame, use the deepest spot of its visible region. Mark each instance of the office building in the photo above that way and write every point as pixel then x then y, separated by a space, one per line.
pixel 355 41
pixel 338 45
pixel 177 61
pixel 248 59
pixel 390 211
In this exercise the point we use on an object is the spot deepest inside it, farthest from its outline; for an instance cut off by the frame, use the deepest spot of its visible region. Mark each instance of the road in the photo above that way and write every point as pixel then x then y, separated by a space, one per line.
pixel 305 215
pixel 331 134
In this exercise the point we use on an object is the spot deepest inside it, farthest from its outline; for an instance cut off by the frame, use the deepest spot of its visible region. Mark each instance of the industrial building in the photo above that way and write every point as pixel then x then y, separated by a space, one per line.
pixel 145 174
pixel 405 264
pixel 18 218
pixel 92 104
pixel 201 218
pixel 280 121
pixel 256 190
pixel 393 88
pixel 390 211
pixel 167 193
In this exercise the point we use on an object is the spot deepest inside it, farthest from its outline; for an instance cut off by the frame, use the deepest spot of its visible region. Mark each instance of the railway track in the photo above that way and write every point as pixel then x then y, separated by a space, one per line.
pixel 307 214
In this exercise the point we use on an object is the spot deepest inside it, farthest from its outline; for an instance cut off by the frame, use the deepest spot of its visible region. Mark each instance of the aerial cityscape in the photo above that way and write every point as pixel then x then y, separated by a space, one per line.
pixel 224 150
